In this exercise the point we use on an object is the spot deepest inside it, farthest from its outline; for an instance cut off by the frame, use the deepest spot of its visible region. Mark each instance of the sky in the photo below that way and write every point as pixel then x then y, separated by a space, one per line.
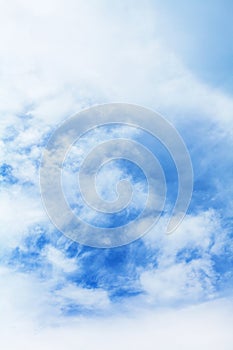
pixel 58 58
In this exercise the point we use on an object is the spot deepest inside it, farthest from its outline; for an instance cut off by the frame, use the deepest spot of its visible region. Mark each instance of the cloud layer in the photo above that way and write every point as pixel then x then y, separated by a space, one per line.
pixel 58 58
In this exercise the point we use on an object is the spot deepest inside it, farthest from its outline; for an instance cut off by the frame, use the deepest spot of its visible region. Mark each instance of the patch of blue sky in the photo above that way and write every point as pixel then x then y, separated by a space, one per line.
pixel 110 268
pixel 96 268
pixel 29 260
pixel 125 170
pixel 201 33
pixel 10 134
pixel 71 309
pixel 213 167
pixel 210 150
pixel 212 164
pixel 188 254
pixel 26 260
pixel 6 174
pixel 118 270
pixel 166 161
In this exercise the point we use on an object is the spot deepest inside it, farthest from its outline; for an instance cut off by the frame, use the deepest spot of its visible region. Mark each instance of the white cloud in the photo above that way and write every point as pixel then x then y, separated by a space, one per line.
pixel 184 270
pixel 180 282
pixel 56 62
pixel 29 301
pixel 202 231
pixel 18 212
pixel 57 58
pixel 205 326
pixel 58 260
pixel 86 298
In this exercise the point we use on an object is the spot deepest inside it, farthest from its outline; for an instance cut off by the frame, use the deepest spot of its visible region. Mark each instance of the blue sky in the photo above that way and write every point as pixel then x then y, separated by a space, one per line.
pixel 202 33
pixel 58 58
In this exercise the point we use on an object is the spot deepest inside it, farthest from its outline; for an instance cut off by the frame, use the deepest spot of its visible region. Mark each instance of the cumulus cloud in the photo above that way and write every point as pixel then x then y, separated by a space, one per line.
pixel 185 261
